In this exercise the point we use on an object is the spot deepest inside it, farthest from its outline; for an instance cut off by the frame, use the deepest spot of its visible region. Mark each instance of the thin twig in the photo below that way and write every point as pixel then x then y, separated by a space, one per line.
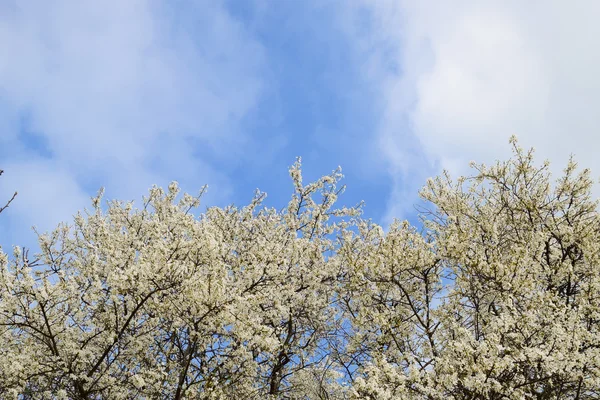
pixel 11 199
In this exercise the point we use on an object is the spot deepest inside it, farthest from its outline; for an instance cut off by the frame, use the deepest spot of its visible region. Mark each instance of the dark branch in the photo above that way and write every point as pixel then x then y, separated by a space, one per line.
pixel 11 199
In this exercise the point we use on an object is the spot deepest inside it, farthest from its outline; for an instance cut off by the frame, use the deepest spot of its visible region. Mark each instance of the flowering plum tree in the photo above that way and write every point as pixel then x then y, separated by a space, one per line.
pixel 518 316
pixel 155 303
pixel 496 296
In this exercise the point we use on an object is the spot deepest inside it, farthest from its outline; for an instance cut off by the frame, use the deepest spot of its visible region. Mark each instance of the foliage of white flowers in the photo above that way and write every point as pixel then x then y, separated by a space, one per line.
pixel 496 296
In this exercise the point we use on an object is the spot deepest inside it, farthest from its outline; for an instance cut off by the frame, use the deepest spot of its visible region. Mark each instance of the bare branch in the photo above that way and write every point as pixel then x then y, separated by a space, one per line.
pixel 11 199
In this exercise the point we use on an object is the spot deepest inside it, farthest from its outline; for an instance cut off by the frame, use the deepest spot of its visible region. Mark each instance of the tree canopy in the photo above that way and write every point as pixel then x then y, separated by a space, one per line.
pixel 495 296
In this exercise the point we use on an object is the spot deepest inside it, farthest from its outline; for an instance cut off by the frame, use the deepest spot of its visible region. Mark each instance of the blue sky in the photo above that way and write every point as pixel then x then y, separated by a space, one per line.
pixel 128 94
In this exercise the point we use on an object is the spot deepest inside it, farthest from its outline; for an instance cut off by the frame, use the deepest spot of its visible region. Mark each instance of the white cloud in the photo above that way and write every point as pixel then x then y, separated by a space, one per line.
pixel 104 84
pixel 458 78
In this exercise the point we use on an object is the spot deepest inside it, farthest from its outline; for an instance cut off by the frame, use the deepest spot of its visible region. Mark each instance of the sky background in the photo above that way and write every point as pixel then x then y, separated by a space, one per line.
pixel 126 94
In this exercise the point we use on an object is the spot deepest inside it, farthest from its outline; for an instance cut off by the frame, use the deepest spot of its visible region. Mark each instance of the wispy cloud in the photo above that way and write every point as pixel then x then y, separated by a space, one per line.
pixel 119 93
pixel 458 78
pixel 125 94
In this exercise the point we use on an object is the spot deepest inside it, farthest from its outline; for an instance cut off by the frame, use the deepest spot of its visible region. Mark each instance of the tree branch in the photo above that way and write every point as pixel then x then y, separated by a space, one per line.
pixel 11 199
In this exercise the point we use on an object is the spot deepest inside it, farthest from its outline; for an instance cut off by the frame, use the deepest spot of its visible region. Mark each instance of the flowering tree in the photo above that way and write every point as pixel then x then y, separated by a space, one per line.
pixel 155 303
pixel 496 297
pixel 519 315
